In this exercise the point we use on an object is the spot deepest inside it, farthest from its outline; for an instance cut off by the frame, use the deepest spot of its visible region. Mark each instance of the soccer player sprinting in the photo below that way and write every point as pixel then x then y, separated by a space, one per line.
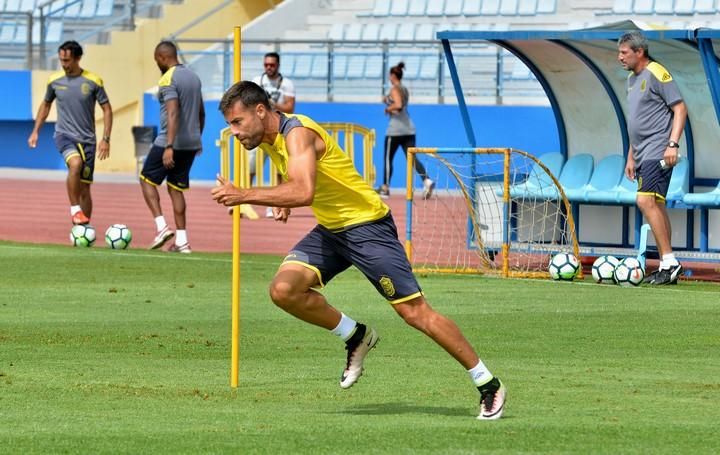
pixel 182 119
pixel 355 227
pixel 656 119
pixel 76 91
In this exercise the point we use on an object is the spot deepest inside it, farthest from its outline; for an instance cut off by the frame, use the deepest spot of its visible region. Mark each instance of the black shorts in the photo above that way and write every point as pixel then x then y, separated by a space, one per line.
pixel 69 147
pixel 652 179
pixel 154 172
pixel 373 248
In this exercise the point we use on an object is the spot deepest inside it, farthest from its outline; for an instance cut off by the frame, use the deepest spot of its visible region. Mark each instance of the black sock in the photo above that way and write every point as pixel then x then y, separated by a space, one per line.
pixel 490 386
pixel 356 337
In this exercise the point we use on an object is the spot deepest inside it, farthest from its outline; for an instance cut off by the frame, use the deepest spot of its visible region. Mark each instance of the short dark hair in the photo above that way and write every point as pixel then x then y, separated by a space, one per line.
pixel 167 46
pixel 74 47
pixel 635 41
pixel 274 55
pixel 247 92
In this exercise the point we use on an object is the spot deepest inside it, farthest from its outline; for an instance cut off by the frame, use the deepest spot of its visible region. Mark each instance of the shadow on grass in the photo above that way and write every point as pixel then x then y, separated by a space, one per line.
pixel 404 408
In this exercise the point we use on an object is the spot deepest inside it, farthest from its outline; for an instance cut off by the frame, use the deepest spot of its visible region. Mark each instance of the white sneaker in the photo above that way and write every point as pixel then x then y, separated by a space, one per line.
pixel 269 213
pixel 184 248
pixel 357 349
pixel 492 400
pixel 162 237
pixel 428 187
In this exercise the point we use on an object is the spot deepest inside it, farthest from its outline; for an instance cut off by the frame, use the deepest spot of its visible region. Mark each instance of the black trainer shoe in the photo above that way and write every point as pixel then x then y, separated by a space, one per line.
pixel 650 279
pixel 492 400
pixel 357 346
pixel 668 276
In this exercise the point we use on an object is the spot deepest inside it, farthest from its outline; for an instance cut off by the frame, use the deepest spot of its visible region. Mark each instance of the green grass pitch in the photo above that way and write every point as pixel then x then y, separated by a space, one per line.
pixel 107 351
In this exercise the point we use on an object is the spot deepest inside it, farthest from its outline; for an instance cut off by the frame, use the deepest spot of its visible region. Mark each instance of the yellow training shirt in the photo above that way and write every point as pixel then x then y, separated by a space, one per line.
pixel 342 198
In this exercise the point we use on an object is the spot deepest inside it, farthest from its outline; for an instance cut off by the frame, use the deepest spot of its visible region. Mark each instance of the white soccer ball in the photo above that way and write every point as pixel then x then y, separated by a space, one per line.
pixel 603 269
pixel 564 267
pixel 629 272
pixel 82 235
pixel 118 236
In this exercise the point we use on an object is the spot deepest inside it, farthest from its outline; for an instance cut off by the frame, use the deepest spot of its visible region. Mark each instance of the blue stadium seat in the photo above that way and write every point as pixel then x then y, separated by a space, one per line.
pixel 705 7
pixel 20 34
pixel 399 8
pixel 382 8
pixel 371 32
pixel 508 7
pixel 709 199
pixel 105 8
pixel 624 193
pixel 435 8
pixel 663 6
pixel 679 182
pixel 353 32
pixel 53 32
pixel 453 7
pixel 417 8
pixel 538 178
pixel 605 178
pixel 643 6
pixel 336 32
pixel 27 5
pixel 575 174
pixel 73 8
pixel 428 67
pixel 527 7
pixel 546 6
pixel 340 65
pixel 7 32
pixel 355 67
pixel 684 6
pixel 622 6
pixel 319 67
pixel 471 8
pixel 490 7
pixel 373 67
pixel 87 11
pixel 406 31
pixel 425 32
pixel 12 6
pixel 388 32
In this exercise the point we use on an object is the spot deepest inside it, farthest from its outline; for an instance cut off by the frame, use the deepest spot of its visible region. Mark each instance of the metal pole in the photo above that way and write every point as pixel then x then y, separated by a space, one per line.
pixel 330 76
pixel 43 63
pixel 29 49
pixel 235 304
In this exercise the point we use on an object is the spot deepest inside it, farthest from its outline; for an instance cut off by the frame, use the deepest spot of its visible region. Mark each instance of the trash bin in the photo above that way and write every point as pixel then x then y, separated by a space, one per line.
pixel 144 137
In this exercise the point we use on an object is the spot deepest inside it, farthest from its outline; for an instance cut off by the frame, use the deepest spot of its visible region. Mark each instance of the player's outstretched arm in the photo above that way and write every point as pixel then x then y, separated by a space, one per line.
pixel 104 147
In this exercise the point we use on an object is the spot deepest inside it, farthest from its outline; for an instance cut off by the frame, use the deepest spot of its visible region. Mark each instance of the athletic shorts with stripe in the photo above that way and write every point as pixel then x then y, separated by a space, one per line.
pixel 154 172
pixel 372 247
pixel 68 147
pixel 652 179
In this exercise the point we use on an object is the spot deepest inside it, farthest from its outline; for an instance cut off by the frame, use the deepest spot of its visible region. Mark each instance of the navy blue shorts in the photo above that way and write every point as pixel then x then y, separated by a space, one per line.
pixel 653 180
pixel 154 172
pixel 69 147
pixel 373 248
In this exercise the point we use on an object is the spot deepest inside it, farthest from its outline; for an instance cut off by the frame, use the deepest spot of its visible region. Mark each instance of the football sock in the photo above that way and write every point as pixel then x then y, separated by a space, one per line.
pixel 160 223
pixel 668 260
pixel 345 328
pixel 181 237
pixel 480 374
pixel 74 209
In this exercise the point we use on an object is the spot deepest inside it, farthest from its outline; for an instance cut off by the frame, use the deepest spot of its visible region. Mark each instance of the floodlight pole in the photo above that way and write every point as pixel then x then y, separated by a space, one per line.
pixel 235 303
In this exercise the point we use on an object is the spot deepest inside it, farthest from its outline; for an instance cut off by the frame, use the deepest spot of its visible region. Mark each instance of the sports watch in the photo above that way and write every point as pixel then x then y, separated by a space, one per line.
pixel 673 144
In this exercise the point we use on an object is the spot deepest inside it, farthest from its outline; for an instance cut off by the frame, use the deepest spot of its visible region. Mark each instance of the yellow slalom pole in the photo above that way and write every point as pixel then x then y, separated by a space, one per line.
pixel 408 201
pixel 235 305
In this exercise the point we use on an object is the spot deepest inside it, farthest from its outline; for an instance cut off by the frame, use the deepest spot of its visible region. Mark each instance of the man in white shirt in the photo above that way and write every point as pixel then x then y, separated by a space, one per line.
pixel 281 92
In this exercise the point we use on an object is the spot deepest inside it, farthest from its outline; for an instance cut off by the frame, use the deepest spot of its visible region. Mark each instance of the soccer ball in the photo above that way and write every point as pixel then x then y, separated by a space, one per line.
pixel 603 269
pixel 564 266
pixel 629 272
pixel 118 236
pixel 82 235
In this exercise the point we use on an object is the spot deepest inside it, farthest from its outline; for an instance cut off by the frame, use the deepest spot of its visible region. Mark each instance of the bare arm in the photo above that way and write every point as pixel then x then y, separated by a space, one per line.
pixel 304 146
pixel 42 115
pixel 630 164
pixel 678 125
pixel 287 106
pixel 104 147
pixel 173 113
pixel 396 105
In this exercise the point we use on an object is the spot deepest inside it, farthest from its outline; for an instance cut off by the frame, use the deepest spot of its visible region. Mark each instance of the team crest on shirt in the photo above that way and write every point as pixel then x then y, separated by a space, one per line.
pixel 85 88
pixel 387 286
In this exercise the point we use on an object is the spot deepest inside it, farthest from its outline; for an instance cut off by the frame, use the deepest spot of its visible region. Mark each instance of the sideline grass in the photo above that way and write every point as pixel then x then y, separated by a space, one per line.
pixel 128 352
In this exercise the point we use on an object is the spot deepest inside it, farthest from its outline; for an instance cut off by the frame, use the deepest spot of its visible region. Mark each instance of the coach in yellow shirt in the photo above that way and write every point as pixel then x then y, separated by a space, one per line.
pixel 355 227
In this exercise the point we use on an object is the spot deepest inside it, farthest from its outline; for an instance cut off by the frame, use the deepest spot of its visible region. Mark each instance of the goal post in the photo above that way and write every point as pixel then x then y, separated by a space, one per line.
pixel 498 211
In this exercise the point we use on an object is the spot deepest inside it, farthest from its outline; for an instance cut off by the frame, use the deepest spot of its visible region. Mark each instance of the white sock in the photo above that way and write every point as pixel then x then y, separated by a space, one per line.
pixel 160 223
pixel 181 237
pixel 345 328
pixel 479 374
pixel 668 260
pixel 74 209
